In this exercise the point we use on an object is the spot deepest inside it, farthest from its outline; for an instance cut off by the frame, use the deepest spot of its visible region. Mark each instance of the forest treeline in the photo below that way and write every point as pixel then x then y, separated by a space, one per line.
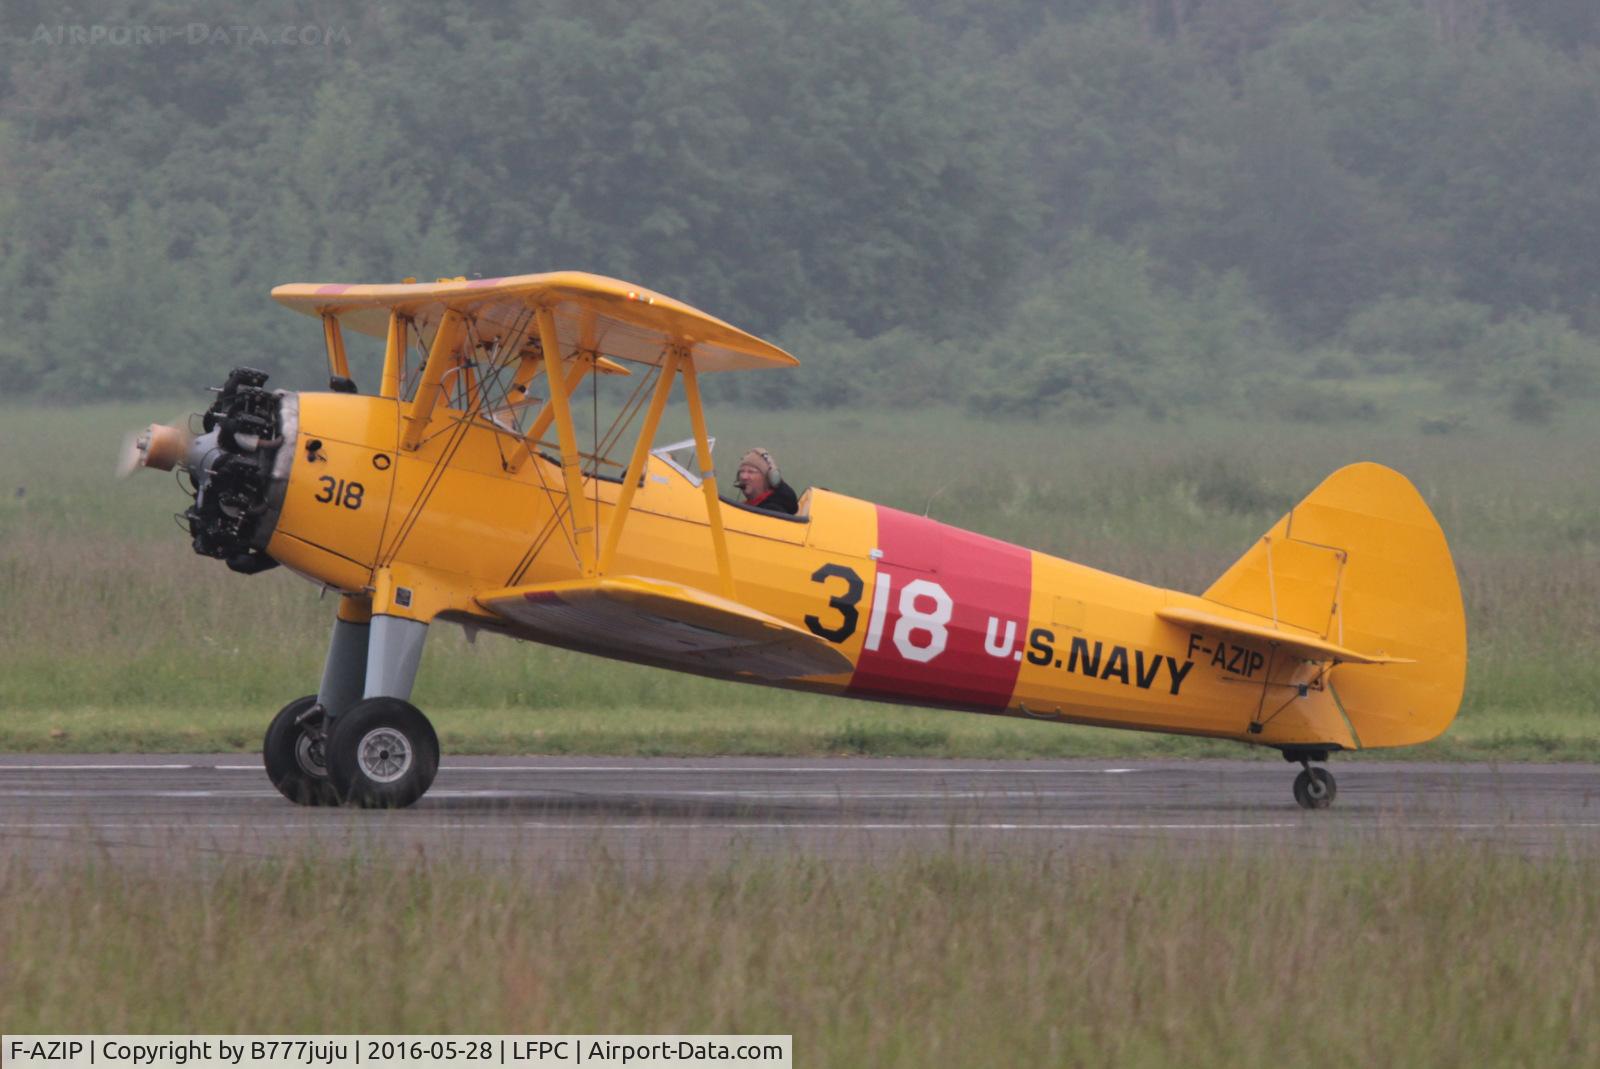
pixel 1043 205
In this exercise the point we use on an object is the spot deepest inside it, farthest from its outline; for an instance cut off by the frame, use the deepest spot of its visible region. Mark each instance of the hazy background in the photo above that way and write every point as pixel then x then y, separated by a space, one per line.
pixel 1121 280
pixel 1032 208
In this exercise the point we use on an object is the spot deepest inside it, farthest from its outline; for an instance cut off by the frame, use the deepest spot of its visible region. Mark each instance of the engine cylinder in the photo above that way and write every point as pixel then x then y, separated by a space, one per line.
pixel 240 466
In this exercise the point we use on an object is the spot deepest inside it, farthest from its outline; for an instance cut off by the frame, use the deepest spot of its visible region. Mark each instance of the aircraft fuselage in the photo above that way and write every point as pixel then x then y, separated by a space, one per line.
pixel 926 613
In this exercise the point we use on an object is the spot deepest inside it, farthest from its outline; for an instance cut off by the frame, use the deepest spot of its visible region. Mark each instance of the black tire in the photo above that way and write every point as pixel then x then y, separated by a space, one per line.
pixel 1315 788
pixel 293 754
pixel 382 754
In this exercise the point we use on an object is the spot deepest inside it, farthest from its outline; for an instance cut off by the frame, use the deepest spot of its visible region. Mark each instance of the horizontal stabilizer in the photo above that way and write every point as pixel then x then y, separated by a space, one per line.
pixel 666 624
pixel 1309 647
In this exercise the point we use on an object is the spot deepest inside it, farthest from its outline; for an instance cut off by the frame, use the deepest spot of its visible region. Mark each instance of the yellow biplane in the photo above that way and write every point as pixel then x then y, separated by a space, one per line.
pixel 439 498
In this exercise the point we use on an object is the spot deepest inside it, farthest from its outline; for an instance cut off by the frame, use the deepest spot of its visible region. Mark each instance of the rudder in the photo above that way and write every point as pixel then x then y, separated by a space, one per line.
pixel 1363 563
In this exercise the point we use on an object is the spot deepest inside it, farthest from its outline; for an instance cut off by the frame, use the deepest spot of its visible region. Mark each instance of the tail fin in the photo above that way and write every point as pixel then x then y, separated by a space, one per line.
pixel 1362 563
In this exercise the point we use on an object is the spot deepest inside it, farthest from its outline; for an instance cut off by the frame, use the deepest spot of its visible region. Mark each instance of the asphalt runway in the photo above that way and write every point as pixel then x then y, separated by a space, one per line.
pixel 557 813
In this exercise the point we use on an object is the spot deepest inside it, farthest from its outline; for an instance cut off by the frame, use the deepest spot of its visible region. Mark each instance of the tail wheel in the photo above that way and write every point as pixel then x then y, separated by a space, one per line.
pixel 1314 788
pixel 293 753
pixel 382 754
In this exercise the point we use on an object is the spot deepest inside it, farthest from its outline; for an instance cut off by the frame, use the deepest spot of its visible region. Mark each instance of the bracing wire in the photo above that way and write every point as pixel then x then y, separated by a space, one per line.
pixel 630 408
pixel 594 437
pixel 547 532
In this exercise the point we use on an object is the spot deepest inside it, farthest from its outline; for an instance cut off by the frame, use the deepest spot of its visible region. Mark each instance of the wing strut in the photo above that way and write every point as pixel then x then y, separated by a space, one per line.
pixel 708 480
pixel 641 452
pixel 577 368
pixel 445 340
pixel 394 354
pixel 338 363
pixel 526 371
pixel 568 435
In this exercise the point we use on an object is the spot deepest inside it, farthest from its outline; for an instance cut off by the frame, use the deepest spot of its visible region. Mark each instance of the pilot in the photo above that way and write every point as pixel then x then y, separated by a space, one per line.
pixel 763 487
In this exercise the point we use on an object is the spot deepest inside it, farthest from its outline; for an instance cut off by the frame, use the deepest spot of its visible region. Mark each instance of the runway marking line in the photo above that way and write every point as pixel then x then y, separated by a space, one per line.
pixel 953 770
pixel 113 792
pixel 668 826
pixel 100 768
pixel 755 793
pixel 725 769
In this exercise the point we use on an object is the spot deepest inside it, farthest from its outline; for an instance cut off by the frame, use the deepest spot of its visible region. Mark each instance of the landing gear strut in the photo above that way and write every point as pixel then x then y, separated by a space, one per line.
pixel 358 740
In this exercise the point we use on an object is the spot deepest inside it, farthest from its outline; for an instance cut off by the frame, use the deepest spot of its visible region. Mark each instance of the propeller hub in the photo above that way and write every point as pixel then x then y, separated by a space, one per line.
pixel 162 446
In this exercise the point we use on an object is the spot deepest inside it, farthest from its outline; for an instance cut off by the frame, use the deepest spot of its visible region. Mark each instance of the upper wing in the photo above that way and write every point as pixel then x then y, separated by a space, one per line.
pixel 592 313
pixel 664 623
pixel 1310 647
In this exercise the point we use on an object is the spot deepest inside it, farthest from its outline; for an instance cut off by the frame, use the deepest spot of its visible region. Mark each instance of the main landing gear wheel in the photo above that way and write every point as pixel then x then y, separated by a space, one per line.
pixel 293 754
pixel 1314 788
pixel 382 754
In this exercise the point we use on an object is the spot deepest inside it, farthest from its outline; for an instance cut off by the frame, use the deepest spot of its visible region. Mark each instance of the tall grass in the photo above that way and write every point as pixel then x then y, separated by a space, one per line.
pixel 106 607
pixel 1374 955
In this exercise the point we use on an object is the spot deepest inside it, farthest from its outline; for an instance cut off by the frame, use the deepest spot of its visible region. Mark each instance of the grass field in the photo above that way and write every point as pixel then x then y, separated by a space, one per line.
pixel 115 636
pixel 1373 956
